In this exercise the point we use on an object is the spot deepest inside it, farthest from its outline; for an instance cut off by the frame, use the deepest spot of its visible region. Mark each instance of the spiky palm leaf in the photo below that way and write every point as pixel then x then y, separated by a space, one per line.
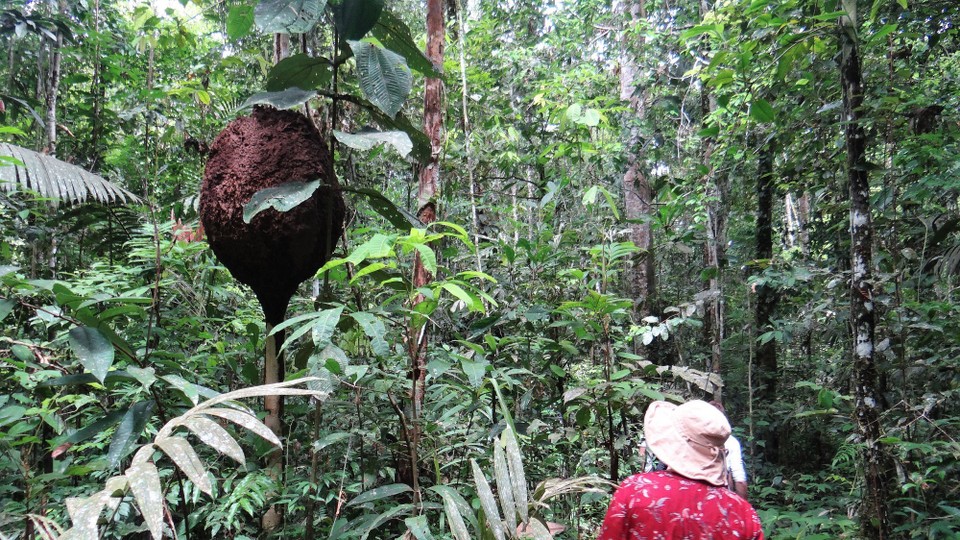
pixel 55 179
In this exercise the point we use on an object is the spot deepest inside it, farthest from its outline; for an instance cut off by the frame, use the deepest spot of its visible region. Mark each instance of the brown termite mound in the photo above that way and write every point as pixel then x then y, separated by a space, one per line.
pixel 276 251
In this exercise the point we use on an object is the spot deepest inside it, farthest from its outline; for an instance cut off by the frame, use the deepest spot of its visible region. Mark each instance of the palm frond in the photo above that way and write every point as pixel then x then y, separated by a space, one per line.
pixel 55 179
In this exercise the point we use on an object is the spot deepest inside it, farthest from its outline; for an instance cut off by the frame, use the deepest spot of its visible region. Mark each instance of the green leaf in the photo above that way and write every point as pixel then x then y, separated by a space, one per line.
pixel 419 527
pixel 299 71
pixel 452 505
pixel 381 492
pixel 247 421
pixel 882 33
pixel 239 21
pixel 375 330
pixel 384 76
pixel 396 36
pixel 421 144
pixel 95 428
pixel 400 218
pixel 501 473
pixel 354 18
pixel 288 16
pixel 517 476
pixel 474 370
pixel 487 502
pixel 183 454
pixel 428 258
pixel 324 326
pixel 93 349
pixel 281 198
pixel 762 111
pixel 6 306
pixel 331 439
pixel 11 413
pixel 291 97
pixel 213 435
pixel 144 482
pixel 473 303
pixel 129 430
pixel 366 140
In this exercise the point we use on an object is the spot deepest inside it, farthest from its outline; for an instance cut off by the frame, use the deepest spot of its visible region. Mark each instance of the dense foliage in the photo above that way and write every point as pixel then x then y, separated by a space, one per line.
pixel 120 326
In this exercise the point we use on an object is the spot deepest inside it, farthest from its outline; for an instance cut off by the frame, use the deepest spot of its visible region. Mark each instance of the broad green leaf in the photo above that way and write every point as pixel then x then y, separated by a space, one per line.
pixel 88 378
pixel 93 349
pixel 6 306
pixel 517 477
pixel 281 198
pixel 501 474
pixel 331 439
pixel 762 111
pixel 419 527
pixel 183 454
pixel 366 140
pixel 326 366
pixel 396 216
pixel 384 76
pixel 378 493
pixel 421 144
pixel 374 328
pixel 324 326
pixel 288 16
pixel 487 502
pixel 354 18
pixel 131 425
pixel 239 21
pixel 590 118
pixel 375 523
pixel 11 413
pixel 291 97
pixel 697 31
pixel 247 421
pixel 299 71
pixel 144 482
pixel 93 429
pixel 213 435
pixel 454 517
pixel 474 370
pixel 396 36
pixel 473 303
pixel 428 258
pixel 85 512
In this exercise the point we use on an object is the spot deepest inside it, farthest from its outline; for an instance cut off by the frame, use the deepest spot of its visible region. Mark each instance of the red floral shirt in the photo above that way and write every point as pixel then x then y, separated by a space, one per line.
pixel 665 506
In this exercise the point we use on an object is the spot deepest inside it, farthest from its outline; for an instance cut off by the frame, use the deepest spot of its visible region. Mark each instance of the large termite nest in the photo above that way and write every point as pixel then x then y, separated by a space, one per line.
pixel 276 251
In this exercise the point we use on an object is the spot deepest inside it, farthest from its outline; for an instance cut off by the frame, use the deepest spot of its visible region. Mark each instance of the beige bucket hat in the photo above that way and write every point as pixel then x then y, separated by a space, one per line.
pixel 689 438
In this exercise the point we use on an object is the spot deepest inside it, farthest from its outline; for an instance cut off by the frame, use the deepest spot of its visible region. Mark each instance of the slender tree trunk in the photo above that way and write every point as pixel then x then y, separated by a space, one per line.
pixel 638 194
pixel 716 230
pixel 427 195
pixel 874 518
pixel 273 365
pixel 53 86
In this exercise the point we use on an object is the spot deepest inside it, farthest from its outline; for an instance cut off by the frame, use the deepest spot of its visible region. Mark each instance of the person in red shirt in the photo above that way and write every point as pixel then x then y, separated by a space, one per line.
pixel 689 500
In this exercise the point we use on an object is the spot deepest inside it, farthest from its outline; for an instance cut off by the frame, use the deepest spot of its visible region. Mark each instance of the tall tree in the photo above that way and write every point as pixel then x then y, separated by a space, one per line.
pixel 638 193
pixel 427 194
pixel 874 517
pixel 766 295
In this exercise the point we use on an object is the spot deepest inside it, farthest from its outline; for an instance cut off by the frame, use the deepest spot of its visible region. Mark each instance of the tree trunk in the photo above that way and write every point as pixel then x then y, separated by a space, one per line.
pixel 874 518
pixel 427 194
pixel 273 365
pixel 53 85
pixel 638 194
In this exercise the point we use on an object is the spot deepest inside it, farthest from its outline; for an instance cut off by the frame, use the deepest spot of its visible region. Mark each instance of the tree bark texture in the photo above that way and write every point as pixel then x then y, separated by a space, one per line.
pixel 638 195
pixel 427 193
pixel 715 195
pixel 766 296
pixel 53 86
pixel 874 518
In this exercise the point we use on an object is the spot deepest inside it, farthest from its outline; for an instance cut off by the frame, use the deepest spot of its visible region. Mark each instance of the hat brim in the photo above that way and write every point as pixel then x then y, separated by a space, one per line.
pixel 672 448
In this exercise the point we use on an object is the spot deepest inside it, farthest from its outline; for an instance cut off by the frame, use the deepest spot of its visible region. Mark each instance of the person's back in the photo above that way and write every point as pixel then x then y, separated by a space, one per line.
pixel 667 506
